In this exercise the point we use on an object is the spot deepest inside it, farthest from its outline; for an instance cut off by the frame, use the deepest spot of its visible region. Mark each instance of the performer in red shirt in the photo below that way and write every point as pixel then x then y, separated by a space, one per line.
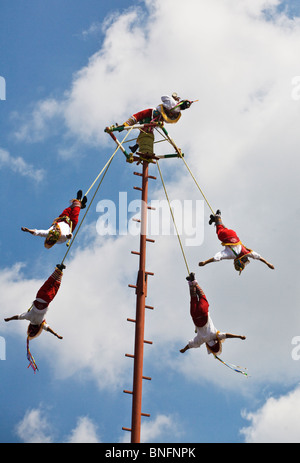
pixel 37 312
pixel 63 226
pixel 233 247
pixel 205 329
pixel 168 111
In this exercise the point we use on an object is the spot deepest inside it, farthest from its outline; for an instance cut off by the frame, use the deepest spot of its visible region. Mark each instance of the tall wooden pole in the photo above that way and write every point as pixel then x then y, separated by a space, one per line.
pixel 141 294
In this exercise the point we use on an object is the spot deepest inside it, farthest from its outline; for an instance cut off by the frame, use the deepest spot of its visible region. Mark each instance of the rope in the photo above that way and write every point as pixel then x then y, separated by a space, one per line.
pixel 180 243
pixel 197 184
pixel 121 143
pixel 107 165
pixel 169 139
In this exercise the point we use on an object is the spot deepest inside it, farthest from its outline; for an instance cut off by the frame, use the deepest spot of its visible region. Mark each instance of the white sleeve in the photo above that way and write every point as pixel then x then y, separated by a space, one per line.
pixel 24 316
pixel 221 336
pixel 254 255
pixel 41 233
pixel 194 344
pixel 218 256
pixel 224 254
pixel 197 341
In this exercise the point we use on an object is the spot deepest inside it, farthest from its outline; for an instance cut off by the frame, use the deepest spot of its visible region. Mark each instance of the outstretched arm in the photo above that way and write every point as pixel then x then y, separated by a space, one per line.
pixel 15 317
pixel 231 336
pixel 184 349
pixel 25 229
pixel 53 332
pixel 267 263
pixel 201 264
pixel 228 336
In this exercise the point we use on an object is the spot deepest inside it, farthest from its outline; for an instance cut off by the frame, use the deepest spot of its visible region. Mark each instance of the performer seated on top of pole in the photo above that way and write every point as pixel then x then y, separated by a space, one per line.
pixel 169 111
pixel 205 329
pixel 37 312
pixel 233 247
pixel 63 226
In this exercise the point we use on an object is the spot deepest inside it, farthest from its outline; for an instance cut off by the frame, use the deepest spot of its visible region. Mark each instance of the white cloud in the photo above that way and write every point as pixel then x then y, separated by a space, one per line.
pixel 85 432
pixel 94 28
pixel 256 8
pixel 277 421
pixel 160 429
pixel 20 166
pixel 39 122
pixel 34 428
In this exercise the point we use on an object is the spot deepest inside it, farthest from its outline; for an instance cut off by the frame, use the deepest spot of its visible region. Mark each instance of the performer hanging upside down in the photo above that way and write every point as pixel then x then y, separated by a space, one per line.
pixel 233 247
pixel 205 329
pixel 63 226
pixel 37 312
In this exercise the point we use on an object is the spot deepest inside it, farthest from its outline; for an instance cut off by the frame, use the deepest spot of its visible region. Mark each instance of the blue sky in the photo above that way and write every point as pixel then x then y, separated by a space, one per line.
pixel 73 67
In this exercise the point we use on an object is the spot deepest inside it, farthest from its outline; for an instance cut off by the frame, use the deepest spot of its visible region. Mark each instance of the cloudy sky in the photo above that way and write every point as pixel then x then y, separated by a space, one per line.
pixel 69 69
